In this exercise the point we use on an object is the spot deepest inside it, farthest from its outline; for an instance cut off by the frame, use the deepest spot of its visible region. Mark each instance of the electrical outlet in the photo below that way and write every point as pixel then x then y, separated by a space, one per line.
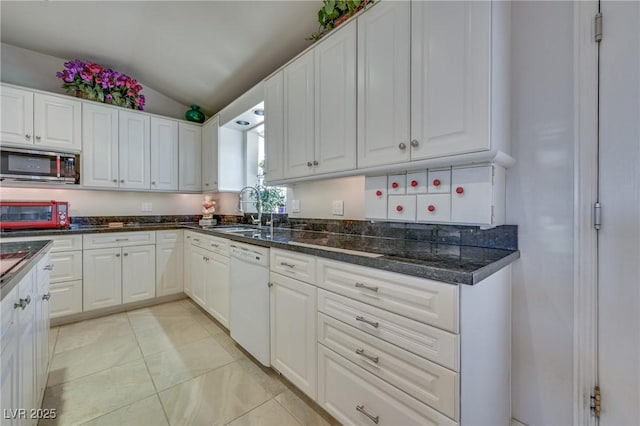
pixel 146 207
pixel 295 206
pixel 337 207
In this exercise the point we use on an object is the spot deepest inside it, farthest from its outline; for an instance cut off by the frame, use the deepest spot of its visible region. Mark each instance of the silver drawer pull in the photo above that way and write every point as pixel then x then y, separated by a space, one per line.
pixel 46 296
pixel 121 239
pixel 288 265
pixel 360 352
pixel 371 417
pixel 366 321
pixel 22 303
pixel 215 245
pixel 368 287
pixel 48 267
pixel 196 239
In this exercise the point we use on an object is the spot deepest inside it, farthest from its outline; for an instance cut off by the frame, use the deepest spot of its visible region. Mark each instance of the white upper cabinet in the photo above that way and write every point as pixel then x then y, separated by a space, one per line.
pixel 210 154
pixel 274 127
pixel 299 116
pixel 134 149
pixel 100 154
pixel 40 120
pixel 335 101
pixel 16 115
pixel 164 154
pixel 450 78
pixel 57 122
pixel 384 40
pixel 189 155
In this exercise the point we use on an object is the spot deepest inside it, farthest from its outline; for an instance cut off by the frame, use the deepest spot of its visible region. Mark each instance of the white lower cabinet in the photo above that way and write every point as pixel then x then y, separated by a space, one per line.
pixel 198 272
pixel 42 306
pixel 66 298
pixel 293 331
pixel 138 273
pixel 217 288
pixel 169 263
pixel 102 278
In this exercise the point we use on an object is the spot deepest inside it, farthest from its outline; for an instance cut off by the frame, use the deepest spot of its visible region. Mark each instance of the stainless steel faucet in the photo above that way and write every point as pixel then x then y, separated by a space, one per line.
pixel 258 203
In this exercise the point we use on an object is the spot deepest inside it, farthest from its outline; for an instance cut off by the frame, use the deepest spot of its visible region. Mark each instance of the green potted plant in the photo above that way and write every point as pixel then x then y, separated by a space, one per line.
pixel 335 12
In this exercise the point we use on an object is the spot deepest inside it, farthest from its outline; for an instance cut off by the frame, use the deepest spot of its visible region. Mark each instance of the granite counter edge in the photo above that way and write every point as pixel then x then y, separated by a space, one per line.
pixel 6 288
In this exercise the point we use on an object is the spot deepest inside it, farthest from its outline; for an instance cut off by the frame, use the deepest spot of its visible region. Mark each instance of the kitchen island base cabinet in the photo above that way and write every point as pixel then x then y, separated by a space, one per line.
pixel 293 331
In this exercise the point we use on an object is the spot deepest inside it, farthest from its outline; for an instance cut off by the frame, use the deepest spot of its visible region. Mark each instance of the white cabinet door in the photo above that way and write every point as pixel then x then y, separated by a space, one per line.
pixel 41 300
pixel 210 154
pixel 274 127
pixel 293 331
pixel 27 369
pixel 66 298
pixel 16 116
pixel 384 37
pixel 190 161
pixel 197 266
pixel 9 377
pixel 299 117
pixel 67 266
pixel 231 159
pixel 57 122
pixel 134 150
pixel 450 77
pixel 164 154
pixel 335 101
pixel 100 146
pixel 186 263
pixel 375 197
pixel 138 273
pixel 472 195
pixel 217 290
pixel 169 269
pixel 102 278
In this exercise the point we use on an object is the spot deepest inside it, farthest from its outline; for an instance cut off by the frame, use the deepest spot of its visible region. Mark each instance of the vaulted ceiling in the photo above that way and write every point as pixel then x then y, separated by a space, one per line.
pixel 203 52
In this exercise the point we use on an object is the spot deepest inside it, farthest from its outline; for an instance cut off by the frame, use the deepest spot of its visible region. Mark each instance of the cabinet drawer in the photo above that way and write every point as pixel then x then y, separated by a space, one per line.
pixel 67 266
pixel 298 266
pixel 66 298
pixel 118 239
pixel 424 300
pixel 428 382
pixel 356 397
pixel 431 343
pixel 439 181
pixel 434 208
pixel 169 236
pixel 397 184
pixel 402 208
pixel 60 242
pixel 217 245
pixel 417 183
pixel 375 197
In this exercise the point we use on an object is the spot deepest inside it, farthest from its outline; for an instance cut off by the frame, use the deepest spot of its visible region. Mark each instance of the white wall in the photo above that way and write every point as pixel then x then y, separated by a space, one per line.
pixel 540 201
pixel 38 71
pixel 111 203
pixel 315 198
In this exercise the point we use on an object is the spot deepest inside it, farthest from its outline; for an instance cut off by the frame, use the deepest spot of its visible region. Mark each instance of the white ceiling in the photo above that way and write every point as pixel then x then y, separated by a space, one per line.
pixel 202 52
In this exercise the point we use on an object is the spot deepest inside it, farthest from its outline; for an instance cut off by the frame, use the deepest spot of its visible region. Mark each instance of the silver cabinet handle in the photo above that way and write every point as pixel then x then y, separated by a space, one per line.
pixel 22 303
pixel 309 164
pixel 215 245
pixel 46 296
pixel 126 254
pixel 288 265
pixel 315 163
pixel 402 145
pixel 366 321
pixel 38 137
pixel 270 284
pixel 121 239
pixel 360 352
pixel 115 181
pixel 48 267
pixel 368 287
pixel 27 136
pixel 153 183
pixel 206 184
pixel 117 254
pixel 371 417
pixel 414 143
pixel 121 180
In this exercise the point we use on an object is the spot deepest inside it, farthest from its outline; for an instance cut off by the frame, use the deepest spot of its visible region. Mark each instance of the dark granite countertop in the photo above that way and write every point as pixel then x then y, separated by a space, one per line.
pixel 30 252
pixel 450 263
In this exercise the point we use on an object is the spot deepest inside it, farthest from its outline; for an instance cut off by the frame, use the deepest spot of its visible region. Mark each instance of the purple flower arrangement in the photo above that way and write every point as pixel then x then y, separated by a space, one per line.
pixel 96 83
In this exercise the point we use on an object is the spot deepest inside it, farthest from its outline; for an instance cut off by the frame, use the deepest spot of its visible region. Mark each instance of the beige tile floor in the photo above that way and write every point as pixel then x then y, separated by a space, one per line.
pixel 169 364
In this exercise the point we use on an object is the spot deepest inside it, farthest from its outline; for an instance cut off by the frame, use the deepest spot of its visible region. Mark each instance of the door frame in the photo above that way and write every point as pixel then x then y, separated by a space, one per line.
pixel 585 284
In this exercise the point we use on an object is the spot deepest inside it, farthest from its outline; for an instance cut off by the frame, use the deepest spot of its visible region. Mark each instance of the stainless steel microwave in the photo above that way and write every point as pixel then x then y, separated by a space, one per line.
pixel 39 166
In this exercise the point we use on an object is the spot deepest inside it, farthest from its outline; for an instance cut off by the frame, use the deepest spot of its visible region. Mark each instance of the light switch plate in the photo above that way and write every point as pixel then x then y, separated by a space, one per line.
pixel 337 207
pixel 295 206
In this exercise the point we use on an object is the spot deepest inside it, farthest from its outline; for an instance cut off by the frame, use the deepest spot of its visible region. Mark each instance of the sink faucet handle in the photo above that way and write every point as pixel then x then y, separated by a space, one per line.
pixel 254 220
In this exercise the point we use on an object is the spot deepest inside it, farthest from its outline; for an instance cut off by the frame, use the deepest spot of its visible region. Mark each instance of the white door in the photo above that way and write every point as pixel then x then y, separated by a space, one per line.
pixel 57 122
pixel 450 77
pixel 619 237
pixel 293 331
pixel 138 273
pixel 335 98
pixel 102 278
pixel 197 271
pixel 134 150
pixel 210 154
pixel 217 291
pixel 168 269
pixel 384 74
pixel 16 116
pixel 99 162
pixel 189 156
pixel 299 117
pixel 164 154
pixel 274 127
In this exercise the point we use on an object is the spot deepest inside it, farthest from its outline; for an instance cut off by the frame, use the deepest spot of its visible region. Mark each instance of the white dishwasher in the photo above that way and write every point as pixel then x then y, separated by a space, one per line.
pixel 249 299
